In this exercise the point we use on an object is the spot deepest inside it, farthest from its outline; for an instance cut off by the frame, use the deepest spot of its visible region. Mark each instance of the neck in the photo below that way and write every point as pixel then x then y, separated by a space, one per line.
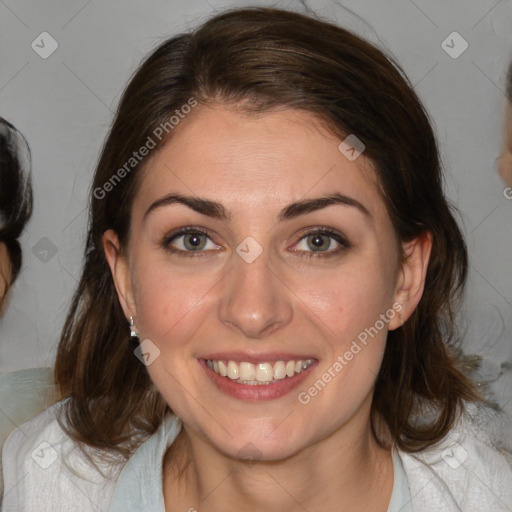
pixel 340 473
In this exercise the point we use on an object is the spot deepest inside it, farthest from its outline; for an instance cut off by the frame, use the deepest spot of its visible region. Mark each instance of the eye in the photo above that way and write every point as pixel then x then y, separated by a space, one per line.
pixel 189 240
pixel 322 242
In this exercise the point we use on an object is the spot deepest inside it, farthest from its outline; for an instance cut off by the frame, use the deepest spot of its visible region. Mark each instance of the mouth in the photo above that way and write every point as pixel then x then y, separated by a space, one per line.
pixel 255 381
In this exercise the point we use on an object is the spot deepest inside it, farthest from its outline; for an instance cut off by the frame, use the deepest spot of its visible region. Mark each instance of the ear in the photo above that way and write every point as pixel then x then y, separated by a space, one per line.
pixel 411 277
pixel 121 274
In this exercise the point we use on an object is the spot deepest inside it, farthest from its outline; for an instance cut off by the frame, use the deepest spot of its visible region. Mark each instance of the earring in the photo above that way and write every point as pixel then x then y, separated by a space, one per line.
pixel 401 318
pixel 133 332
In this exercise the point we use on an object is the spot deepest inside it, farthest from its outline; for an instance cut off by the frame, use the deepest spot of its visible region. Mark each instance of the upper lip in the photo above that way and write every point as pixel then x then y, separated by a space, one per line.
pixel 268 357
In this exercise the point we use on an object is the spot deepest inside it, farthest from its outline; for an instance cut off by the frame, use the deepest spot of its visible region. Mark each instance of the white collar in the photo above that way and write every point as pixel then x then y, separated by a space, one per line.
pixel 140 483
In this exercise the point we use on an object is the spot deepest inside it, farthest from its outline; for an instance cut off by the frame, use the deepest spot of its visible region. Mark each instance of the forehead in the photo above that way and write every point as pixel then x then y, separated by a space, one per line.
pixel 274 156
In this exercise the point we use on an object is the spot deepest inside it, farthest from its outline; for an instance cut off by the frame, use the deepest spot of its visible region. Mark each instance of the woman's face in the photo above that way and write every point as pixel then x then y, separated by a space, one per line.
pixel 263 280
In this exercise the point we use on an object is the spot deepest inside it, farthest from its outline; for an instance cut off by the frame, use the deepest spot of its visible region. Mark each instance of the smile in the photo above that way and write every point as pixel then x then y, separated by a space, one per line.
pixel 256 381
pixel 260 373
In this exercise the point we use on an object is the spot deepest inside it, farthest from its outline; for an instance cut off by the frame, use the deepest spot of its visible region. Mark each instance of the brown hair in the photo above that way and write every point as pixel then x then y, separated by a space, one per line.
pixel 259 59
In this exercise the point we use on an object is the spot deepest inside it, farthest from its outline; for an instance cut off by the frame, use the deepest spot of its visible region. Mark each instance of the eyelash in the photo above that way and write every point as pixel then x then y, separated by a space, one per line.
pixel 344 243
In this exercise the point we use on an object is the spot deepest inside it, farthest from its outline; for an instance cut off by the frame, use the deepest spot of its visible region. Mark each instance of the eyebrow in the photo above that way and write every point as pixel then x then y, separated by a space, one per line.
pixel 217 211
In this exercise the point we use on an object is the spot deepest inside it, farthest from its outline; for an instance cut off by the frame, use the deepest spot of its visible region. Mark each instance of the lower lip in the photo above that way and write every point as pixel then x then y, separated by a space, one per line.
pixel 256 392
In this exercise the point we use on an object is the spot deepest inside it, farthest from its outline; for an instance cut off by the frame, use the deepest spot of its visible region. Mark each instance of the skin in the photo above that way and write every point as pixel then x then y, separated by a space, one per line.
pixel 5 275
pixel 505 160
pixel 283 301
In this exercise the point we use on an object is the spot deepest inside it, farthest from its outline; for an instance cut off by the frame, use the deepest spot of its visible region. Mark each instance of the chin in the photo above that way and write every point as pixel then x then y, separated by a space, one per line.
pixel 252 444
pixel 262 450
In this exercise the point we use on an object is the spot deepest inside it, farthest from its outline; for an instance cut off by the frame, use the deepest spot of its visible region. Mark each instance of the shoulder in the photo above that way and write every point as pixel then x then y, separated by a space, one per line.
pixel 468 470
pixel 44 469
pixel 23 394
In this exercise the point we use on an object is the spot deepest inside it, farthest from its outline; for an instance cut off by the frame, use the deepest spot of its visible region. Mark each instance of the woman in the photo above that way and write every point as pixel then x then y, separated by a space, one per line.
pixel 15 202
pixel 23 393
pixel 268 223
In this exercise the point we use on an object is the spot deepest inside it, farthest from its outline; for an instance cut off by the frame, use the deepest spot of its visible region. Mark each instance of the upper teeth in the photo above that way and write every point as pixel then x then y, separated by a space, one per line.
pixel 261 372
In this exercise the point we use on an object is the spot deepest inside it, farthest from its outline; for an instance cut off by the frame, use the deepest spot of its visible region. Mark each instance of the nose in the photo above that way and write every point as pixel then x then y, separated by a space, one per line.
pixel 254 299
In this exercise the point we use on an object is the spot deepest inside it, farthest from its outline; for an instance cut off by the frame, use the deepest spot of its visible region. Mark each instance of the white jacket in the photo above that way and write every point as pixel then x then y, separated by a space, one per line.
pixel 45 471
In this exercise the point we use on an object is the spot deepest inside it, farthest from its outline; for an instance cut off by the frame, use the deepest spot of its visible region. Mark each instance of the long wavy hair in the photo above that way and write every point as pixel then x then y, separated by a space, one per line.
pixel 259 59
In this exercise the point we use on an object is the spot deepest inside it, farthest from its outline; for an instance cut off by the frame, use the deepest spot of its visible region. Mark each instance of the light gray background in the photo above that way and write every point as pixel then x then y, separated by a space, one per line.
pixel 63 105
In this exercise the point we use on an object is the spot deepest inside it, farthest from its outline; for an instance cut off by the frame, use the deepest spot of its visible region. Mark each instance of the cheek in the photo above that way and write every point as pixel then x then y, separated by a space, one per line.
pixel 357 321
pixel 349 299
pixel 171 302
pixel 353 309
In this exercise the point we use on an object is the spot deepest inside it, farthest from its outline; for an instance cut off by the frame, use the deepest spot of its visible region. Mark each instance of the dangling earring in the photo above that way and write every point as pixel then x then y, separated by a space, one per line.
pixel 133 333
